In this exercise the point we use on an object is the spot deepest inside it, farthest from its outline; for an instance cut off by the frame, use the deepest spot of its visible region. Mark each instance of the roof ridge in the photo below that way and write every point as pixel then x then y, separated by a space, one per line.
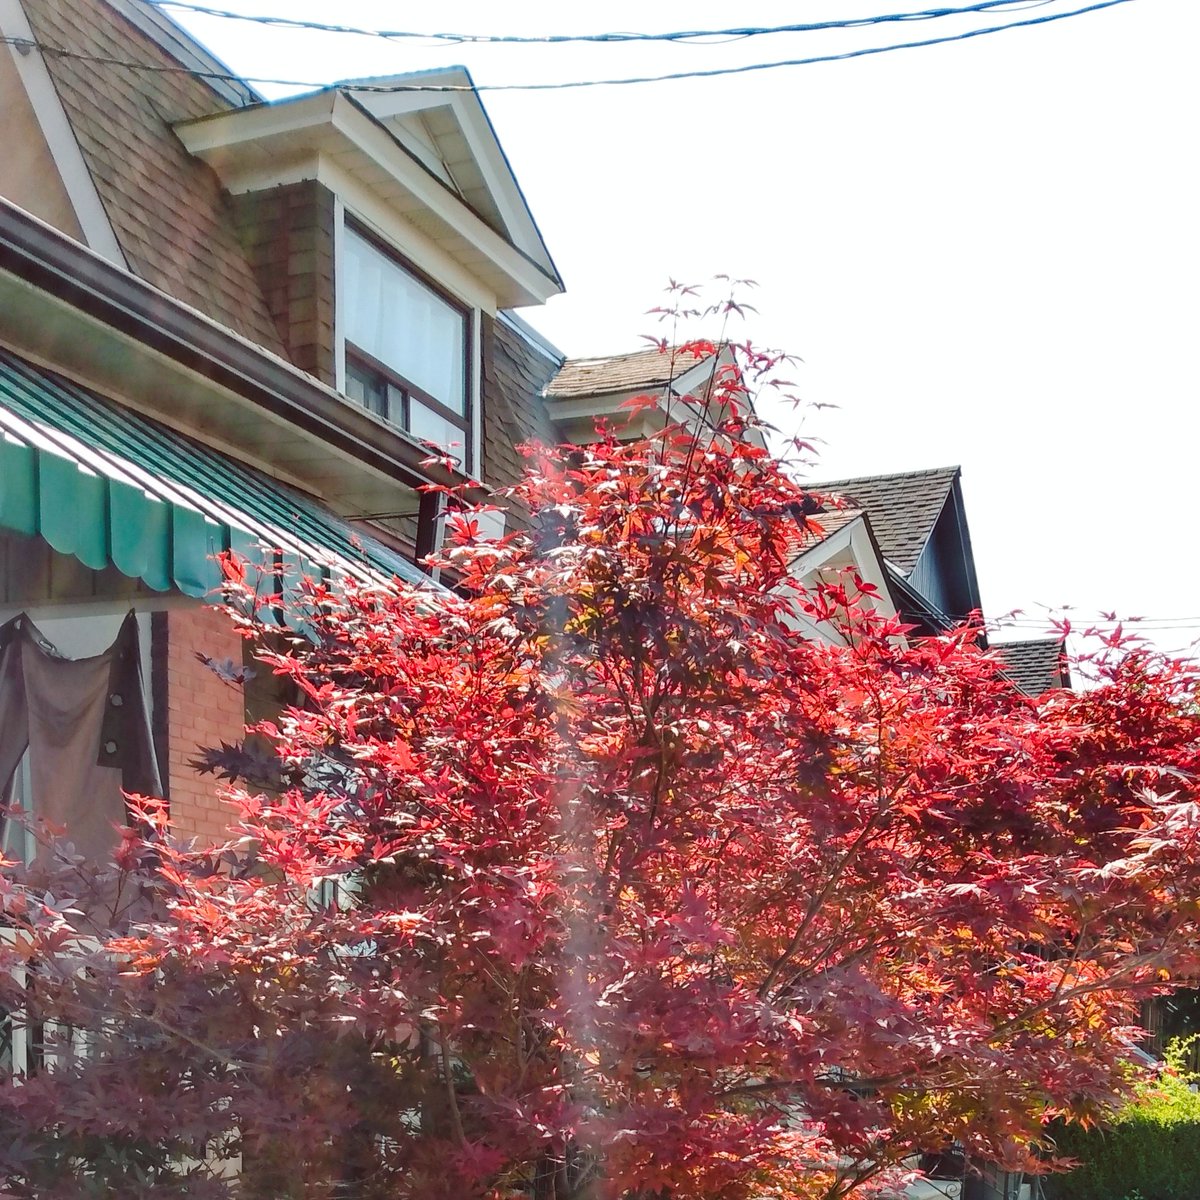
pixel 405 76
pixel 665 352
pixel 1042 641
pixel 920 472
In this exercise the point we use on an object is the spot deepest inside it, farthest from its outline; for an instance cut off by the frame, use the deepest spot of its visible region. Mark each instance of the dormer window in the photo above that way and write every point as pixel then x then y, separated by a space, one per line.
pixel 407 347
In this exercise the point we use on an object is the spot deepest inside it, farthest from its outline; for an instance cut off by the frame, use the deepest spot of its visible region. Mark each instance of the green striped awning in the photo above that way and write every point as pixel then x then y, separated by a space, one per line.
pixel 110 487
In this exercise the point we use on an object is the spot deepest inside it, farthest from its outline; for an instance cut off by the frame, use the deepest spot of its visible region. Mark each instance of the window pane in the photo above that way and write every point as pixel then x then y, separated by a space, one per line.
pixel 374 393
pixel 431 427
pixel 407 326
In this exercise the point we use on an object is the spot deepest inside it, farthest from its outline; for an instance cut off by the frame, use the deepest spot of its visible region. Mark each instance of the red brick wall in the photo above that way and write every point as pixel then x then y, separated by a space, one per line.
pixel 201 710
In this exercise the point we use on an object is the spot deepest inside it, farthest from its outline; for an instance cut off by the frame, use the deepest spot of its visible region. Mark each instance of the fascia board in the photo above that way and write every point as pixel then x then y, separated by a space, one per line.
pixel 481 136
pixel 206 137
pixel 501 180
pixel 535 337
pixel 237 146
pixel 587 406
pixel 699 374
pixel 364 131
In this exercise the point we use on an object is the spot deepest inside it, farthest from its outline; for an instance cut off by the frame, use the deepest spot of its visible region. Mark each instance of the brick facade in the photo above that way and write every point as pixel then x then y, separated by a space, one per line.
pixel 200 710
pixel 288 236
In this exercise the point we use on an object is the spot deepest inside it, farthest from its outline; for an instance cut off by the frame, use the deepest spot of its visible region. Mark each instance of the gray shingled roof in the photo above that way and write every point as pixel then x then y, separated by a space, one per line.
pixel 515 370
pixel 1034 666
pixel 903 508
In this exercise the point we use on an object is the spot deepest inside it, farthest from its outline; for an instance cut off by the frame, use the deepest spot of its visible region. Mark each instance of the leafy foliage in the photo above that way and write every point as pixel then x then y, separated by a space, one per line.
pixel 1152 1147
pixel 599 881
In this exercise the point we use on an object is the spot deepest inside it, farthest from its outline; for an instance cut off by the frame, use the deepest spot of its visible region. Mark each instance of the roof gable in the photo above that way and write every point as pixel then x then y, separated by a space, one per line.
pixel 618 373
pixel 904 508
pixel 835 542
pixel 332 136
pixel 453 136
pixel 587 389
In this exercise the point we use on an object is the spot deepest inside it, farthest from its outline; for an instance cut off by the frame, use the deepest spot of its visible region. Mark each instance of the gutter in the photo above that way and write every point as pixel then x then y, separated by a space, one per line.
pixel 47 259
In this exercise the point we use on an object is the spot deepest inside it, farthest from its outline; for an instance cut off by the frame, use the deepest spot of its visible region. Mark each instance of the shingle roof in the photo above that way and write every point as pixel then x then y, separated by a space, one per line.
pixel 619 373
pixel 903 508
pixel 515 369
pixel 166 208
pixel 1034 666
pixel 830 522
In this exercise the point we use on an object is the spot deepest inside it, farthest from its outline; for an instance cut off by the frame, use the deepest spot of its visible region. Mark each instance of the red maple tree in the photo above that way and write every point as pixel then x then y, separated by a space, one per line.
pixel 597 881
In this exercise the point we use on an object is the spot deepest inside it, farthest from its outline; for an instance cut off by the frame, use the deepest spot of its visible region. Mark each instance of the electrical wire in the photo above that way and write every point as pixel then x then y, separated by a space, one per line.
pixel 1080 622
pixel 391 88
pixel 679 36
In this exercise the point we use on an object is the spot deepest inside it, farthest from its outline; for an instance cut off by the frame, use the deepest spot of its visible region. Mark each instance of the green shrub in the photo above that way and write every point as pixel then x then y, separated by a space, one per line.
pixel 1150 1152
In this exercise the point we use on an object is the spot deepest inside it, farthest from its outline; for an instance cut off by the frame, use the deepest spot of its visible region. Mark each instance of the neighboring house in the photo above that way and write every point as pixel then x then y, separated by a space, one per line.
pixel 1038 665
pixel 233 325
pixel 919 524
pixel 904 533
pixel 585 391
pixel 226 323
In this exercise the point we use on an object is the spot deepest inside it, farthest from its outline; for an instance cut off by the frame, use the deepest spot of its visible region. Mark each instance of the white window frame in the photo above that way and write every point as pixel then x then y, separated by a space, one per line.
pixel 410 257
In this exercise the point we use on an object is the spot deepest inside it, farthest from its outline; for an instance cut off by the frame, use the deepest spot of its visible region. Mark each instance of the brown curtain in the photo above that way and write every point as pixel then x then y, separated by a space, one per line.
pixel 86 727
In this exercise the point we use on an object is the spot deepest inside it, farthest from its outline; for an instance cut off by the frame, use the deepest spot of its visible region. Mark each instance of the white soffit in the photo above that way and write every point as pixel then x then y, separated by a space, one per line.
pixel 467 148
pixel 260 146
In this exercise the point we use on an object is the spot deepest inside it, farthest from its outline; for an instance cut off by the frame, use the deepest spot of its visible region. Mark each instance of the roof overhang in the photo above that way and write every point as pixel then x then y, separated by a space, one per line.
pixel 66 307
pixel 326 133
pixel 681 399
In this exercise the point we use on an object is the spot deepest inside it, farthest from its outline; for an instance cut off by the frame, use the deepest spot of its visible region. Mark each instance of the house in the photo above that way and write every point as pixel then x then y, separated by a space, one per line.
pixel 200 352
pixel 194 355
pixel 919 525
pixel 904 533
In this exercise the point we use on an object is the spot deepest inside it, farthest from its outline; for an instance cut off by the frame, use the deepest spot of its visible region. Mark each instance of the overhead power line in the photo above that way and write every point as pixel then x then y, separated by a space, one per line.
pixel 735 33
pixel 388 88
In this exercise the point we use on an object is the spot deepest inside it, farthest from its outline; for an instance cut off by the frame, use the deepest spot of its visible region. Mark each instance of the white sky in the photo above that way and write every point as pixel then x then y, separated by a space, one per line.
pixel 987 253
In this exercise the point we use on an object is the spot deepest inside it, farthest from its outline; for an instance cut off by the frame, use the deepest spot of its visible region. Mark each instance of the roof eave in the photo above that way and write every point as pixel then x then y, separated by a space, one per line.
pixel 242 146
pixel 469 104
pixel 66 306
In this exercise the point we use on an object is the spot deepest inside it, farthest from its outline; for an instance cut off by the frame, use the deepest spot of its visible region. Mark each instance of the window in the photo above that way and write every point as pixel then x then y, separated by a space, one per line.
pixel 16 837
pixel 406 348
